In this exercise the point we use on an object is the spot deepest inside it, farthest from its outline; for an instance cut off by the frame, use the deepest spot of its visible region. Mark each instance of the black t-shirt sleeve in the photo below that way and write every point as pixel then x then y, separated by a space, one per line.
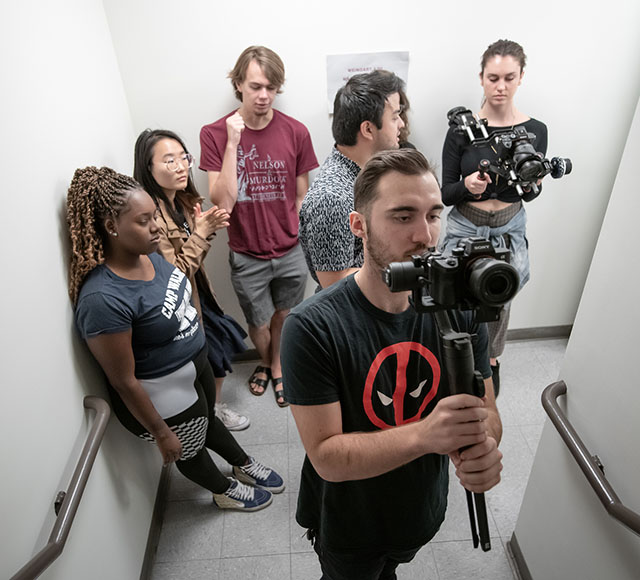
pixel 308 368
pixel 453 189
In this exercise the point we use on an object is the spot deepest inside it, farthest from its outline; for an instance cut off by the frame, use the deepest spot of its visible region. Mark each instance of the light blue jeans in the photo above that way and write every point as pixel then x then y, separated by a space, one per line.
pixel 458 227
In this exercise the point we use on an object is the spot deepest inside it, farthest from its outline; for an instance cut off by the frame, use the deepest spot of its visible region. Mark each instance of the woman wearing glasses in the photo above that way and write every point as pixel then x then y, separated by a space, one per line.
pixel 162 167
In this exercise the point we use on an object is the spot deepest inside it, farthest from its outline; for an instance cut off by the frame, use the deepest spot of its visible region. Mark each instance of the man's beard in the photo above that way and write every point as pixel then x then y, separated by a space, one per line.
pixel 381 256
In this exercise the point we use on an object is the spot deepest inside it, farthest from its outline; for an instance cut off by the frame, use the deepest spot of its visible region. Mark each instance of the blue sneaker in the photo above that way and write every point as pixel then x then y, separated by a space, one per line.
pixel 243 497
pixel 259 475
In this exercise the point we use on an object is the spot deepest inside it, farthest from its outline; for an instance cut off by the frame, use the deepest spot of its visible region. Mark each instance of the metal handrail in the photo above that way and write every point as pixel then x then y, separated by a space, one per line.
pixel 45 557
pixel 590 465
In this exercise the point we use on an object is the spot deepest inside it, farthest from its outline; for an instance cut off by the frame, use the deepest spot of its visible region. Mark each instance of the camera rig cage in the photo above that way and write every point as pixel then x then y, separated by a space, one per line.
pixel 518 161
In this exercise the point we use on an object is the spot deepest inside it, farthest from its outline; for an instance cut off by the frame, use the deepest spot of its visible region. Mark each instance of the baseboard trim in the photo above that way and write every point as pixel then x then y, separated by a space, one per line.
pixel 155 528
pixel 540 332
pixel 522 570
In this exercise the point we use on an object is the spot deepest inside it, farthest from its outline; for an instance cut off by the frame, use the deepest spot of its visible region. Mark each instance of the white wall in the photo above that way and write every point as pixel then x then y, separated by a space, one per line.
pixel 563 530
pixel 583 80
pixel 63 107
pixel 67 102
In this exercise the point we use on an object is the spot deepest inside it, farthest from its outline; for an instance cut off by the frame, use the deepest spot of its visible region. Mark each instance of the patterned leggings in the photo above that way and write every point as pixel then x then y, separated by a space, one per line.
pixel 198 428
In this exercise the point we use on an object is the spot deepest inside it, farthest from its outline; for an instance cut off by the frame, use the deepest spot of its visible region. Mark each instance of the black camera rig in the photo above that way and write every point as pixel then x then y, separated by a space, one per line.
pixel 517 159
pixel 475 277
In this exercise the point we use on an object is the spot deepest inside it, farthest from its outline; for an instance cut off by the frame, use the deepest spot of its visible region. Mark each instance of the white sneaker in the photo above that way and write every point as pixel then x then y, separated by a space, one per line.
pixel 232 421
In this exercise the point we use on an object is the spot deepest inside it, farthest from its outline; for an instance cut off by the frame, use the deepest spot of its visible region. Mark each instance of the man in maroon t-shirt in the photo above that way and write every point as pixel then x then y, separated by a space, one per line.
pixel 258 162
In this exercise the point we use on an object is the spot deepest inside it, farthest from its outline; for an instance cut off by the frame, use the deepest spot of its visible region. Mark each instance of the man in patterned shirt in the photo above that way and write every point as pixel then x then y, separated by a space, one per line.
pixel 366 119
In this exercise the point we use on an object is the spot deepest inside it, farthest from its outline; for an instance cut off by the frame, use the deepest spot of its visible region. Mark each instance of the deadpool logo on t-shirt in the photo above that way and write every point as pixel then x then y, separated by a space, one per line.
pixel 402 380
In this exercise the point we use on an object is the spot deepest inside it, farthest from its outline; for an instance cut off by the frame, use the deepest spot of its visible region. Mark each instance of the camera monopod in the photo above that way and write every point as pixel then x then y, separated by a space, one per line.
pixel 474 277
pixel 464 379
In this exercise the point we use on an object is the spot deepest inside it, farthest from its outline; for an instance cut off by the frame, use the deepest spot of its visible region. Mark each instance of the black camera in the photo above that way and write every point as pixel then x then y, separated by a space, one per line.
pixel 518 161
pixel 475 276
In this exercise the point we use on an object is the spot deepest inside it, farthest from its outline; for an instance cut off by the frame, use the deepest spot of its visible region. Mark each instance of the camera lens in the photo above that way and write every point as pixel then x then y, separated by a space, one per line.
pixel 493 282
pixel 400 276
pixel 530 169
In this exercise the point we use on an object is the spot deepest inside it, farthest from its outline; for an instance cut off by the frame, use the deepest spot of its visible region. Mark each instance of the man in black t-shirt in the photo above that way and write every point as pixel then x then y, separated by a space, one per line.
pixel 369 395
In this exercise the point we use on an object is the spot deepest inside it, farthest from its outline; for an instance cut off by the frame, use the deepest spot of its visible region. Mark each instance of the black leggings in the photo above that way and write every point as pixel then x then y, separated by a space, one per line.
pixel 200 468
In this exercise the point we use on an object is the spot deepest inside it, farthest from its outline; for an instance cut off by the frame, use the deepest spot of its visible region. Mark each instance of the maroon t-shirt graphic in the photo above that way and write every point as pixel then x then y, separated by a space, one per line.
pixel 264 220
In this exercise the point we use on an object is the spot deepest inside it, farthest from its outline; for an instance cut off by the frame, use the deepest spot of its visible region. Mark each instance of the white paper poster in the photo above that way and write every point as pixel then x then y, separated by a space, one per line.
pixel 341 67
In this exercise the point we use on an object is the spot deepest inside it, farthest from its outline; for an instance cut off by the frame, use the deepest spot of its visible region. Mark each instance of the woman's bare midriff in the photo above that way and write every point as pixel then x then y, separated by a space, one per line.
pixel 490 204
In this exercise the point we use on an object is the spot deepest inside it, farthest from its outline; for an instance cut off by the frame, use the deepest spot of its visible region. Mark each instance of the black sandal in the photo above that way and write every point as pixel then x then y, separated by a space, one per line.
pixel 279 392
pixel 254 380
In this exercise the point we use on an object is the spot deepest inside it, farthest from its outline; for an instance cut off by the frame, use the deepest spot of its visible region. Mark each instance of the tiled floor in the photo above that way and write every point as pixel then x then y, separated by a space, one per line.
pixel 199 541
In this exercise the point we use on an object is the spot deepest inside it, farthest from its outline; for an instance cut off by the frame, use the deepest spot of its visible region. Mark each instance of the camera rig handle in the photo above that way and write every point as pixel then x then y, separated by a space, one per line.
pixel 483 167
pixel 464 379
pixel 462 120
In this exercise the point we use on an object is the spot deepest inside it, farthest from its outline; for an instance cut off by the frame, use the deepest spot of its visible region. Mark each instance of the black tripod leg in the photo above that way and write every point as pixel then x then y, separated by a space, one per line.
pixel 472 519
pixel 458 359
pixel 483 524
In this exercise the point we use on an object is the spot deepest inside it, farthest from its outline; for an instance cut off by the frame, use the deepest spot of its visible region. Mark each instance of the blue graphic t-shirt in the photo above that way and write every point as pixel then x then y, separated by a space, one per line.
pixel 166 332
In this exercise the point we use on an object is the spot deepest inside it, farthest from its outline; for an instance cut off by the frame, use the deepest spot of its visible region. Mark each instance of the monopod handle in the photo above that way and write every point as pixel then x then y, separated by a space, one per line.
pixel 463 379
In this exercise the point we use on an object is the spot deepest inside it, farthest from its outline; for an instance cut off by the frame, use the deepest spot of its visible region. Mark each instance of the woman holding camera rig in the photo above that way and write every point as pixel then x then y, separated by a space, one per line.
pixel 485 205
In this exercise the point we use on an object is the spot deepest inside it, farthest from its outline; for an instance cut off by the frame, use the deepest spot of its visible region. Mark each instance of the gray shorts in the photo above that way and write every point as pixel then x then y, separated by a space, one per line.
pixel 264 286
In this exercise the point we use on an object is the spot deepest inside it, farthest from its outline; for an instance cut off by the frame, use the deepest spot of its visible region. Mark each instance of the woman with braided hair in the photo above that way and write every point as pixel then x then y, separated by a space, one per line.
pixel 163 167
pixel 134 310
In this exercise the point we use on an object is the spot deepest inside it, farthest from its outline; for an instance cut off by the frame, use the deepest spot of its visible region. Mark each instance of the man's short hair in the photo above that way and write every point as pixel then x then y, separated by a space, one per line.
pixel 270 63
pixel 404 161
pixel 362 99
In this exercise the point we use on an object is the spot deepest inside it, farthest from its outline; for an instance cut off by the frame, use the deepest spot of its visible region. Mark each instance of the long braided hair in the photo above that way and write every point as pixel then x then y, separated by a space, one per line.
pixel 94 195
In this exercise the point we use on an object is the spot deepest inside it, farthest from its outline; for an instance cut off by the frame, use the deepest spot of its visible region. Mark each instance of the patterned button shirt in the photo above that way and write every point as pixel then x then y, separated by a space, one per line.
pixel 326 238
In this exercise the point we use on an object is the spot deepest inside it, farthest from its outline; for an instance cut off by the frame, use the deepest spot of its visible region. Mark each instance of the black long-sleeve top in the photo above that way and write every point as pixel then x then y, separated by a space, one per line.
pixel 460 158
